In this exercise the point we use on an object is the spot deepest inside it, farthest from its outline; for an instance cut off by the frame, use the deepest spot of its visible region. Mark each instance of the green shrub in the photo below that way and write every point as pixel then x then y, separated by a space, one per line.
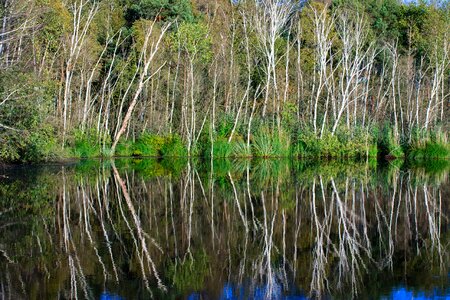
pixel 124 148
pixel 86 144
pixel 225 125
pixel 389 144
pixel 241 149
pixel 310 145
pixel 373 151
pixel 147 145
pixel 431 150
pixel 356 143
pixel 107 152
pixel 173 147
pixel 428 145
pixel 267 143
pixel 221 148
pixel 42 146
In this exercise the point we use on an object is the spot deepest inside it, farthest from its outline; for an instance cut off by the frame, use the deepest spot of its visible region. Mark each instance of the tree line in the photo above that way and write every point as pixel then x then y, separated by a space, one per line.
pixel 342 78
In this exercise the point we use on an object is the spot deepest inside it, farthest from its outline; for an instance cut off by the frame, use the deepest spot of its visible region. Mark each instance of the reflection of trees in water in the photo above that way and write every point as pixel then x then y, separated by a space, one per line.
pixel 265 226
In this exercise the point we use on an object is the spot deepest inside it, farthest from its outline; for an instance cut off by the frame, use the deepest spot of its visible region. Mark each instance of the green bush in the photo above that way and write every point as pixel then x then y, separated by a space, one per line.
pixel 225 125
pixel 271 143
pixel 39 145
pixel 326 146
pixel 147 145
pixel 431 150
pixel 86 144
pixel 124 148
pixel 389 144
pixel 173 147
pixel 428 145
pixel 241 149
pixel 43 146
pixel 343 144
pixel 221 148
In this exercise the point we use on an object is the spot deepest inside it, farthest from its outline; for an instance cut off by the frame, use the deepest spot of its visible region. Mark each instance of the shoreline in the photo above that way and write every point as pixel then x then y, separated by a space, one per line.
pixel 67 161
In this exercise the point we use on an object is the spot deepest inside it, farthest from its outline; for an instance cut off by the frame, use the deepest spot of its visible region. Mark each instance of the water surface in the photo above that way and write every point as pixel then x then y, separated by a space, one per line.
pixel 267 229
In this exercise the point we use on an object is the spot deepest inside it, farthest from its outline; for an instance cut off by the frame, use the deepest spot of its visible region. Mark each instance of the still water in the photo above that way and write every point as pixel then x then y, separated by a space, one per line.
pixel 267 229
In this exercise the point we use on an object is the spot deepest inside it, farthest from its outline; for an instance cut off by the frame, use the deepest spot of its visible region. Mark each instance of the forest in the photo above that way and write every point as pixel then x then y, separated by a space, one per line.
pixel 344 79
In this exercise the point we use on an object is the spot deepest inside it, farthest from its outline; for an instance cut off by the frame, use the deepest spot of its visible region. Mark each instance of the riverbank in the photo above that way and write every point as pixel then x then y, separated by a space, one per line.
pixel 263 142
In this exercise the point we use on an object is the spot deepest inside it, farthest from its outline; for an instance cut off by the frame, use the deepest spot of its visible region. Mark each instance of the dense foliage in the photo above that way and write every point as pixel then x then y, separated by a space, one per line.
pixel 342 78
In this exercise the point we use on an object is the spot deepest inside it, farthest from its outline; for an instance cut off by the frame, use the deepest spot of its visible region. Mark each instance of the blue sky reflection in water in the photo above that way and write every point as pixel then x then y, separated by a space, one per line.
pixel 402 293
pixel 260 229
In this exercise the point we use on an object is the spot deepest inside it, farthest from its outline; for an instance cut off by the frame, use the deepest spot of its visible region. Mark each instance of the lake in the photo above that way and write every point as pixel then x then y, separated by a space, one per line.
pixel 226 229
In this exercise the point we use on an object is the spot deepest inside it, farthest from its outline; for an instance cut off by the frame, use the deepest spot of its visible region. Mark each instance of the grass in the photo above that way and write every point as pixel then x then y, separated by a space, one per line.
pixel 271 143
pixel 431 150
pixel 173 147
pixel 220 148
pixel 241 149
pixel 265 142
pixel 427 145
pixel 389 143
pixel 152 145
pixel 353 144
pixel 86 144
pixel 124 148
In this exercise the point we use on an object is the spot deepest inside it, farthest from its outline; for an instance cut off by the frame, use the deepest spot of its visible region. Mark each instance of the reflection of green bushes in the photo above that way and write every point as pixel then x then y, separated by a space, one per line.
pixel 147 168
pixel 32 195
pixel 35 198
pixel 189 274
pixel 174 166
pixel 265 173
pixel 429 172
pixel 88 169
pixel 222 167
pixel 306 171
pixel 432 166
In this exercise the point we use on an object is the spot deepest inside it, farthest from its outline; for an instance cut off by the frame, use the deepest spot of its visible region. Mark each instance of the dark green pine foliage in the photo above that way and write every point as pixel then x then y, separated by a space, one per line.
pixel 164 10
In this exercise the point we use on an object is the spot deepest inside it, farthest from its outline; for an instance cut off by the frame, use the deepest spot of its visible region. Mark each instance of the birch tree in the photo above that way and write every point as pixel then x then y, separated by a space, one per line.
pixel 270 19
pixel 149 49
pixel 83 13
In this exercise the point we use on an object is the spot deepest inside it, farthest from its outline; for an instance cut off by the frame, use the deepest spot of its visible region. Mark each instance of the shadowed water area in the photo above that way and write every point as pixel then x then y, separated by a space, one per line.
pixel 245 229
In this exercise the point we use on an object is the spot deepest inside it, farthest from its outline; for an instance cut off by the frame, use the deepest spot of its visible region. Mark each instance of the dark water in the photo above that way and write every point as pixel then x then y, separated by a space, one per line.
pixel 269 229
